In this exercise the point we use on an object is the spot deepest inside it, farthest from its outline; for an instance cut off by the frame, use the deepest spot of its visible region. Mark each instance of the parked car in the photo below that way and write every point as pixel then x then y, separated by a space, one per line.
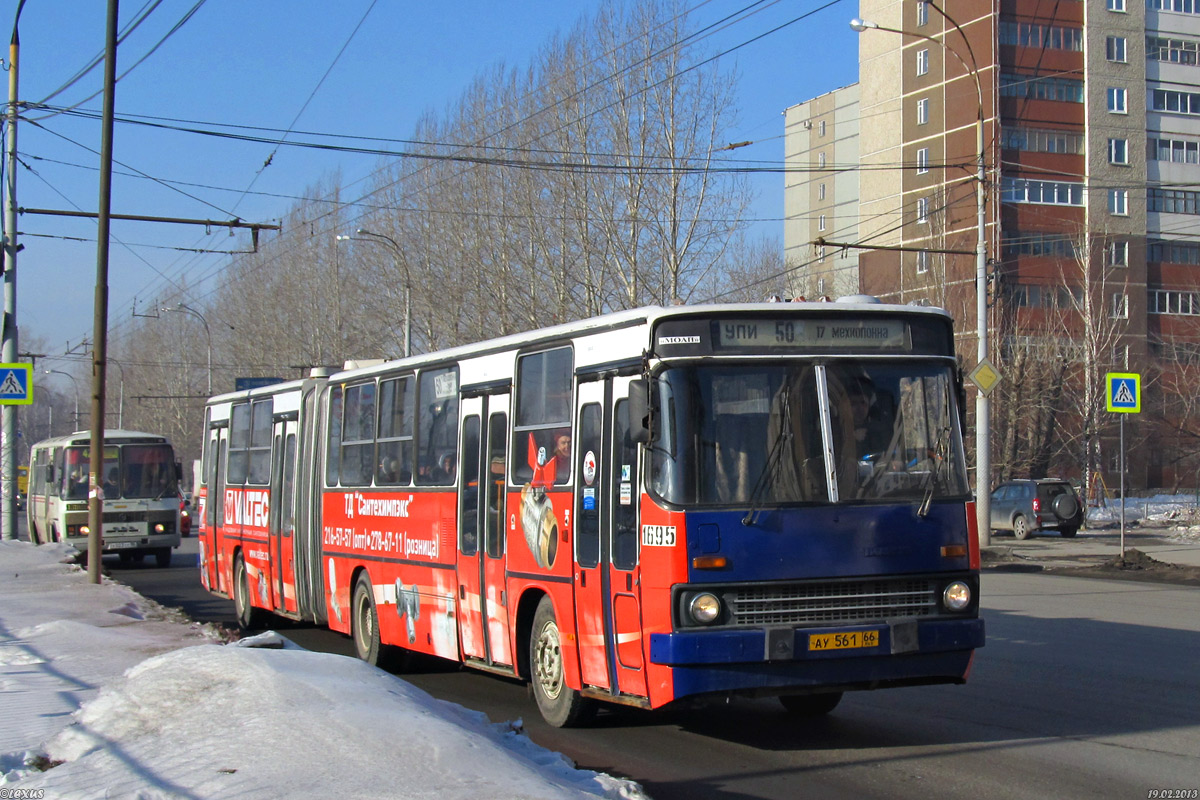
pixel 1026 506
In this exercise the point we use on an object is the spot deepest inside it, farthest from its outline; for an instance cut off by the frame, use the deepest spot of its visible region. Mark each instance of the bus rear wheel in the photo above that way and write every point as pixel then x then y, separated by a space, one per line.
pixel 810 705
pixel 248 617
pixel 364 622
pixel 561 706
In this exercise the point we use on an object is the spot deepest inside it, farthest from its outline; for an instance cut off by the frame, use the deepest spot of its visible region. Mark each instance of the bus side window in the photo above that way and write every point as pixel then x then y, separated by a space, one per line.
pixel 625 480
pixel 590 491
pixel 468 520
pixel 494 527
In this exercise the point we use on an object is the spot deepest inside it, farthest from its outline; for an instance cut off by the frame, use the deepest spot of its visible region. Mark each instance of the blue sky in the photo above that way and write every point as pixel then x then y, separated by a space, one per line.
pixel 258 63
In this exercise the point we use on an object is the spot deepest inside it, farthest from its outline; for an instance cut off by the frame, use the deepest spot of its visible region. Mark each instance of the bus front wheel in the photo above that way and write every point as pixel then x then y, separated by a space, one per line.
pixel 561 706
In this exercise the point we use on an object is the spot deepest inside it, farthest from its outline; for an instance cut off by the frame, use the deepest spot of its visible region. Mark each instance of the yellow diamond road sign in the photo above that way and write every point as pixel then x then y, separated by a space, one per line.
pixel 985 376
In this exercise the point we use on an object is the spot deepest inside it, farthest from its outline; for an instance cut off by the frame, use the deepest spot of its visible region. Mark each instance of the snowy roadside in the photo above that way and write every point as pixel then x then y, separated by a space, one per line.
pixel 107 694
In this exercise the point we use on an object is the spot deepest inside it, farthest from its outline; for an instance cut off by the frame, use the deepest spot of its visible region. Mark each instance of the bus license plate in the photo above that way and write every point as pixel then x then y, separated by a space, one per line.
pixel 843 641
pixel 120 545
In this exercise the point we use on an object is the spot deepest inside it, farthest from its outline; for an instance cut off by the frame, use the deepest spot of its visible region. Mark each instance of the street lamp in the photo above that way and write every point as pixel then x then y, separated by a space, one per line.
pixel 75 382
pixel 983 452
pixel 401 262
pixel 186 309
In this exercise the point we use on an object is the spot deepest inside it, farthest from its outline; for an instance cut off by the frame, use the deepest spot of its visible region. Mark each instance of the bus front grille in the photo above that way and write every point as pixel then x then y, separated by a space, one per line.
pixel 833 602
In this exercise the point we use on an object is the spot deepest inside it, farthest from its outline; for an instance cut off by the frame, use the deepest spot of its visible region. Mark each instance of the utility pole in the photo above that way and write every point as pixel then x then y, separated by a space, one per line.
pixel 100 322
pixel 8 350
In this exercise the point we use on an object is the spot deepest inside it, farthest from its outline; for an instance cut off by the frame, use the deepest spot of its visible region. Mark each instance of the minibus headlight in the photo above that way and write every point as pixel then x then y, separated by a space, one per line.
pixel 957 596
pixel 159 528
pixel 705 608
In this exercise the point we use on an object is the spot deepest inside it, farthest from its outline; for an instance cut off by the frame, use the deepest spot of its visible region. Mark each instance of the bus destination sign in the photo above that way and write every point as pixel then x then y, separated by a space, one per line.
pixel 819 334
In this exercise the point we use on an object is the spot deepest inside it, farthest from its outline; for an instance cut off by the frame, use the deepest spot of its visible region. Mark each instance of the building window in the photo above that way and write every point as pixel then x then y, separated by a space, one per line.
pixel 922 62
pixel 821 222
pixel 1162 301
pixel 922 262
pixel 1120 306
pixel 1181 151
pixel 1118 151
pixel 1116 100
pixel 1038 140
pixel 1116 5
pixel 1176 51
pixel 922 160
pixel 820 252
pixel 821 160
pixel 1114 48
pixel 923 13
pixel 1119 253
pixel 821 128
pixel 1032 34
pixel 923 111
pixel 1118 202
pixel 1047 193
pixel 820 191
pixel 1178 6
pixel 1173 201
pixel 923 209
pixel 1175 102
pixel 1031 87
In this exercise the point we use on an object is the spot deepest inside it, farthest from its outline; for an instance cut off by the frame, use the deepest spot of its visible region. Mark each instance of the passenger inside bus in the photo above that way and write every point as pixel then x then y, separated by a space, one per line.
pixel 110 484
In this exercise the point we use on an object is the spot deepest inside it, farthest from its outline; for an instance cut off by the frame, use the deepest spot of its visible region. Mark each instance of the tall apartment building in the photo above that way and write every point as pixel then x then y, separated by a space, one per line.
pixel 1091 118
pixel 821 193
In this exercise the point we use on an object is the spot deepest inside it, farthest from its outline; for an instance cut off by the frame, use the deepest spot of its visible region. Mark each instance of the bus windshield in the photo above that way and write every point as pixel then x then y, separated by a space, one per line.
pixel 807 431
pixel 130 471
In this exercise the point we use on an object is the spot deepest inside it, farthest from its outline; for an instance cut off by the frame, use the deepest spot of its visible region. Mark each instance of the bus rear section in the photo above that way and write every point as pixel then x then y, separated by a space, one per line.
pixel 140 489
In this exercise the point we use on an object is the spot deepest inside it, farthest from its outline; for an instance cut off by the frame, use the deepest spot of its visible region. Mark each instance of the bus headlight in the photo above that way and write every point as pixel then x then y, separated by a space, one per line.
pixel 159 528
pixel 704 608
pixel 957 596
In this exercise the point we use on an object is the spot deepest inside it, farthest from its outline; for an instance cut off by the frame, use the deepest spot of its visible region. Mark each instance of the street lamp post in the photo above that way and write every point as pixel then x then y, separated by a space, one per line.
pixel 75 382
pixel 983 452
pixel 183 308
pixel 402 265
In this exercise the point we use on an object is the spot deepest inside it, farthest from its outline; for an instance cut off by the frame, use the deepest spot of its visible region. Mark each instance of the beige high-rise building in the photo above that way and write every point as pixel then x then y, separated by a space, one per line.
pixel 1091 143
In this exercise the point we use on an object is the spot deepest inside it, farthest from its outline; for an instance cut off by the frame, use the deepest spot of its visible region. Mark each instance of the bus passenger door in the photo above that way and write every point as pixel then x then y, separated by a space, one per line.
pixel 282 515
pixel 473 486
pixel 608 594
pixel 590 605
pixel 213 511
pixel 496 513
pixel 483 623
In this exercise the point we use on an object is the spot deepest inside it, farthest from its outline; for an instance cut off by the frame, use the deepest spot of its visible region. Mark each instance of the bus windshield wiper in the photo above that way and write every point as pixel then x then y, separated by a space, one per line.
pixel 781 444
pixel 939 458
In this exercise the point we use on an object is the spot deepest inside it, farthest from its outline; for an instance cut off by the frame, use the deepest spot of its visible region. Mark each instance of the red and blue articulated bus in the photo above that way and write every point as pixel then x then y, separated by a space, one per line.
pixel 652 505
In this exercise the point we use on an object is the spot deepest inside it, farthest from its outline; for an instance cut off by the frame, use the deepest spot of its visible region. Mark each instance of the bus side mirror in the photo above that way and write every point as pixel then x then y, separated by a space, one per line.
pixel 49 473
pixel 178 471
pixel 640 428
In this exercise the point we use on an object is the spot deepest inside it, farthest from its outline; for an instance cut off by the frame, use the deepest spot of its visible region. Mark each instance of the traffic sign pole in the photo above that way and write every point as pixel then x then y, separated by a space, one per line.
pixel 1124 396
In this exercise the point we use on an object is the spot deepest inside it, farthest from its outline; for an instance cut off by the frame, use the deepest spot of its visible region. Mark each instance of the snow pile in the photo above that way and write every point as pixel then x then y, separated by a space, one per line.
pixel 107 696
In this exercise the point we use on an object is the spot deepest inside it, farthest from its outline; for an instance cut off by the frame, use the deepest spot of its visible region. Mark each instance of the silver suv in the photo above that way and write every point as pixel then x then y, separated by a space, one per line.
pixel 1025 506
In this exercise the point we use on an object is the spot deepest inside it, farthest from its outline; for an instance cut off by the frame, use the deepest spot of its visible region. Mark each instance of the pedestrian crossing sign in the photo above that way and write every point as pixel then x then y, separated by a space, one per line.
pixel 1124 392
pixel 16 384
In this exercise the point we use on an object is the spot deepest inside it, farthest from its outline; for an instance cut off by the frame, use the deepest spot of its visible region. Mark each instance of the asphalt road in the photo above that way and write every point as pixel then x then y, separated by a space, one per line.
pixel 1086 688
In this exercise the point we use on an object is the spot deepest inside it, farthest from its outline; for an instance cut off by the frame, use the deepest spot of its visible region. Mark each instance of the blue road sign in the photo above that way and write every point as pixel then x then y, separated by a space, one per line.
pixel 1124 392
pixel 16 384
